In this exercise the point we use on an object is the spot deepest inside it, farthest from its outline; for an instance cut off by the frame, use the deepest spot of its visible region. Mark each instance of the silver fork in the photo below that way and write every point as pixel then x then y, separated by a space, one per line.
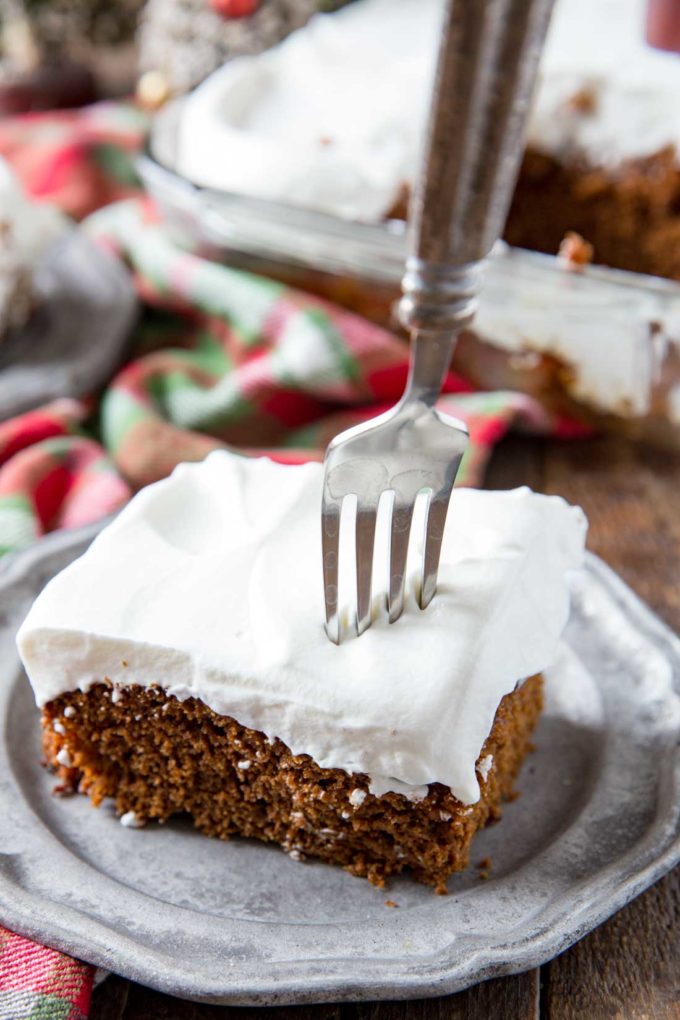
pixel 485 75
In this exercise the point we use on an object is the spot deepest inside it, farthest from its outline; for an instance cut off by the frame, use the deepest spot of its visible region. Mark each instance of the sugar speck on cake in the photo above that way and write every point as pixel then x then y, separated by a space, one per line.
pixel 58 727
pixel 484 766
pixel 131 820
pixel 357 797
pixel 244 764
pixel 64 758
pixel 69 711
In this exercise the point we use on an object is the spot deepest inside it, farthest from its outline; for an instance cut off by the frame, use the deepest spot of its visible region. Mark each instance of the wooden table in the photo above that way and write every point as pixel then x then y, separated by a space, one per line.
pixel 629 968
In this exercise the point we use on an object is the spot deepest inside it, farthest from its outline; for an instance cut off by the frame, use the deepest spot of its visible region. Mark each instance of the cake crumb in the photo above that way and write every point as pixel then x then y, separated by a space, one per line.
pixel 63 790
pixel 391 903
pixel 58 728
pixel 574 252
pixel 484 875
pixel 484 864
pixel 357 797
pixel 124 663
pixel 244 764
pixel 64 758
pixel 583 100
pixel 131 820
pixel 484 766
pixel 69 711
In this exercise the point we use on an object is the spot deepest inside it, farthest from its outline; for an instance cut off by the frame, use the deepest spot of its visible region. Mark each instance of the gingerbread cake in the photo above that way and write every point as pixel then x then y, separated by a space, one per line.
pixel 181 667
pixel 602 153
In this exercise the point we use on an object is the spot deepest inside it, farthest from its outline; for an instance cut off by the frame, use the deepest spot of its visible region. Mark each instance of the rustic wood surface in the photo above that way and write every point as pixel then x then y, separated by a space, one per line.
pixel 629 968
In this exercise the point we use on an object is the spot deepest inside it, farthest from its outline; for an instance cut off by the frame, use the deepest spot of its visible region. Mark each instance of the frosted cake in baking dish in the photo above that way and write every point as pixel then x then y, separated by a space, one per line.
pixel 602 154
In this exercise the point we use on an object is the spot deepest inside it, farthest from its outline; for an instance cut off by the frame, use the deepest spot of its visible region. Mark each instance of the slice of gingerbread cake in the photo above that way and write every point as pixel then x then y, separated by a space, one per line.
pixel 182 667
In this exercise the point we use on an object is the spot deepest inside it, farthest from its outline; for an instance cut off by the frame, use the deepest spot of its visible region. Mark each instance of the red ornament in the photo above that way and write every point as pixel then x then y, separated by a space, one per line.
pixel 234 8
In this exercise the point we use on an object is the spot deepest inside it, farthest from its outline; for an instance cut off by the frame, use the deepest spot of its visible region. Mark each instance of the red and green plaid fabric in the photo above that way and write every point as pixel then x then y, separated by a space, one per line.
pixel 78 159
pixel 250 364
pixel 52 476
pixel 223 359
pixel 37 983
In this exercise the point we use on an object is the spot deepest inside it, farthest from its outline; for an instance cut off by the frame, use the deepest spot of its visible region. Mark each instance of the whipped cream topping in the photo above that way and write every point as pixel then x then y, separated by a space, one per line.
pixel 331 118
pixel 209 584
pixel 604 94
pixel 614 337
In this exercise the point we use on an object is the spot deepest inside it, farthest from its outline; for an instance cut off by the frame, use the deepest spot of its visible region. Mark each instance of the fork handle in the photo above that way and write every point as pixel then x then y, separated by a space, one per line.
pixel 485 76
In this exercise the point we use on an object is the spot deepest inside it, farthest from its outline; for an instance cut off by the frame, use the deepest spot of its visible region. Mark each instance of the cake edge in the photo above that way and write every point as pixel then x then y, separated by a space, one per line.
pixel 156 757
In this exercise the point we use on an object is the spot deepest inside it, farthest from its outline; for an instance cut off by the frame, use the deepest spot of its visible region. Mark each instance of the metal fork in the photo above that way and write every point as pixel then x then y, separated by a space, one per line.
pixel 485 75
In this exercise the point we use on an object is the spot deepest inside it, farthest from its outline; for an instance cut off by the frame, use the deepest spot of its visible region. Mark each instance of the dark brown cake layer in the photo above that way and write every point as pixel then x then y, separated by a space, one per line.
pixel 158 757
pixel 630 215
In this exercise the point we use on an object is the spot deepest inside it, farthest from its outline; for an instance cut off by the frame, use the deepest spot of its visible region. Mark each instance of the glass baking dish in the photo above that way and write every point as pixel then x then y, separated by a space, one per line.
pixel 601 345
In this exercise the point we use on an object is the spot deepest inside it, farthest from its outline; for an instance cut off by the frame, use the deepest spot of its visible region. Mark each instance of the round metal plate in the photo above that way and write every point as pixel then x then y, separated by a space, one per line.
pixel 597 821
pixel 77 335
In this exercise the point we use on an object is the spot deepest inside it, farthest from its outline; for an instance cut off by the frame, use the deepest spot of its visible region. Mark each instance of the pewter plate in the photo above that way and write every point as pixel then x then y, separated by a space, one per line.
pixel 77 335
pixel 596 823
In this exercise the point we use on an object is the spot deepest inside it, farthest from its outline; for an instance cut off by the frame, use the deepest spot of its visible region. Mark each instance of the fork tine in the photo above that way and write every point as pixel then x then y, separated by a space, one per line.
pixel 435 520
pixel 330 543
pixel 365 532
pixel 402 514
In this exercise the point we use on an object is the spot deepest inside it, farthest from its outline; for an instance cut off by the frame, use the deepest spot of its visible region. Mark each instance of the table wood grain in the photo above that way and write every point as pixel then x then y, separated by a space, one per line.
pixel 629 968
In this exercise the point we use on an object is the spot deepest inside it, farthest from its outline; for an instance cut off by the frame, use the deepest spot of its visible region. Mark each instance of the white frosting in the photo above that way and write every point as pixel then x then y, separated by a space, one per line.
pixel 484 766
pixel 329 119
pixel 600 47
pixel 332 117
pixel 612 336
pixel 209 584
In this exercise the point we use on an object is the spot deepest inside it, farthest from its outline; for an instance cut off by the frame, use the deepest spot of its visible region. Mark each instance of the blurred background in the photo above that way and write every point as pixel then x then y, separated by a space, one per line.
pixel 248 165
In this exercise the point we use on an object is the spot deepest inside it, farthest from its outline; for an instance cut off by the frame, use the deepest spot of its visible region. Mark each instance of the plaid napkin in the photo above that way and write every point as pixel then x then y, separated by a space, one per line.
pixel 223 359
pixel 37 983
